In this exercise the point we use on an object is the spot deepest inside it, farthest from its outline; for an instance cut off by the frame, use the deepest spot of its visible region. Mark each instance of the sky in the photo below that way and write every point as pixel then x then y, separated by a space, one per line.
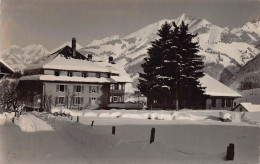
pixel 53 22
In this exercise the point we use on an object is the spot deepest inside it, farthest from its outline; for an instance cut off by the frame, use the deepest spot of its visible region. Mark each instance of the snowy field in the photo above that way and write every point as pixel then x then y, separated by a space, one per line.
pixel 188 137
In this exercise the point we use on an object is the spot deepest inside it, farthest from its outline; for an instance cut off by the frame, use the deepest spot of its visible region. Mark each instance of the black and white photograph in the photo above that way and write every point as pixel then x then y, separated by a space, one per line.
pixel 130 82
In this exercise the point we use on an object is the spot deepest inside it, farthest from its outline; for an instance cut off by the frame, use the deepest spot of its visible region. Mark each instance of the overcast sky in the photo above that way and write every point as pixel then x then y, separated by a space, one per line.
pixel 53 22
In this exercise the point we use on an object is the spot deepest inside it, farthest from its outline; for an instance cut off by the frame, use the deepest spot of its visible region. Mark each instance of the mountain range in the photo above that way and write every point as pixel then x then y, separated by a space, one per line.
pixel 225 50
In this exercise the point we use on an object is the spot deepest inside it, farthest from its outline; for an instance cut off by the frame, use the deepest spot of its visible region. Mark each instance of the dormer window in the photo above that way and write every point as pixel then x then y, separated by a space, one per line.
pixel 84 74
pixel 57 73
pixel 69 73
pixel 98 75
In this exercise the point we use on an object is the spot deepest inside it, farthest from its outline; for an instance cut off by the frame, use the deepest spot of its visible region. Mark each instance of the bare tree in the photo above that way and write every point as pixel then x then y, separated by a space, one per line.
pixel 9 96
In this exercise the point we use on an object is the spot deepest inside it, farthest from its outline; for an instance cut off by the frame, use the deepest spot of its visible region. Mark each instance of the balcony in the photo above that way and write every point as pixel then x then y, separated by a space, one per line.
pixel 117 91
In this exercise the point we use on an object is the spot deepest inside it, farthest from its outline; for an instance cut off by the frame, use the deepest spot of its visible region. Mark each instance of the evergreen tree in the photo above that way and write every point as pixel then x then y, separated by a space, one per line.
pixel 192 65
pixel 150 83
pixel 173 68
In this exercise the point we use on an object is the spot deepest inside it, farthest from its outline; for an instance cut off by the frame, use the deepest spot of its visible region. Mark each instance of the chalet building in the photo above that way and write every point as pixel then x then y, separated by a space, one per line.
pixel 216 96
pixel 67 78
pixel 5 69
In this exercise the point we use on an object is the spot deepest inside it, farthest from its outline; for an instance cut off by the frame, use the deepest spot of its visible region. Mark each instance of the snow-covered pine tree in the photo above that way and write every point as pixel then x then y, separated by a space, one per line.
pixel 190 90
pixel 151 81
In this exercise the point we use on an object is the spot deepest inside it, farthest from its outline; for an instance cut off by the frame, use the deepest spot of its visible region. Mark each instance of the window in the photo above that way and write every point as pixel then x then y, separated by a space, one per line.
pixel 112 86
pixel 78 88
pixel 69 73
pixel 78 100
pixel 155 101
pixel 61 88
pixel 98 75
pixel 57 73
pixel 84 74
pixel 93 89
pixel 61 100
pixel 115 99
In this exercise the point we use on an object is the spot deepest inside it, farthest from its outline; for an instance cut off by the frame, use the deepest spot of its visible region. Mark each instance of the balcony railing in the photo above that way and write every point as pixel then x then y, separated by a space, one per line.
pixel 117 91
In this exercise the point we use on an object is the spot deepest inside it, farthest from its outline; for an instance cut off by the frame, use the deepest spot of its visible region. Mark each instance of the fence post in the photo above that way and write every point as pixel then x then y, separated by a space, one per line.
pixel 230 152
pixel 152 135
pixel 114 130
pixel 92 123
pixel 13 119
pixel 77 118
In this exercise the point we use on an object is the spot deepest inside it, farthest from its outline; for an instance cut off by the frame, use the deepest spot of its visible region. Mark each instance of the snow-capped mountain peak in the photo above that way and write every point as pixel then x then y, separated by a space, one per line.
pixel 222 48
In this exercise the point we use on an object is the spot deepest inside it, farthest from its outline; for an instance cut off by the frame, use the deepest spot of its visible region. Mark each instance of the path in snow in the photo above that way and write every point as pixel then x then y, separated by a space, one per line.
pixel 30 123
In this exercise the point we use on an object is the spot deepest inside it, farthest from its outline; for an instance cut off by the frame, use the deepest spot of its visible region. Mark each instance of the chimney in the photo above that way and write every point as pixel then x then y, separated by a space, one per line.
pixel 110 59
pixel 89 57
pixel 73 47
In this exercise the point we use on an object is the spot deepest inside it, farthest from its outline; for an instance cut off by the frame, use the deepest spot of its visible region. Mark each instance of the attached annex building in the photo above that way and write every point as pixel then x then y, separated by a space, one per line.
pixel 216 96
pixel 5 69
pixel 67 78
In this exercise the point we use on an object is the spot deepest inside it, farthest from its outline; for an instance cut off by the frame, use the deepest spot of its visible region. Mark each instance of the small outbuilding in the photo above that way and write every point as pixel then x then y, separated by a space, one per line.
pixel 247 107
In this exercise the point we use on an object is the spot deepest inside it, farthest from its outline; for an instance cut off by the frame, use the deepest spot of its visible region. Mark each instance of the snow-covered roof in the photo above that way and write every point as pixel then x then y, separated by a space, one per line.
pixel 216 88
pixel 7 65
pixel 112 79
pixel 63 60
pixel 251 107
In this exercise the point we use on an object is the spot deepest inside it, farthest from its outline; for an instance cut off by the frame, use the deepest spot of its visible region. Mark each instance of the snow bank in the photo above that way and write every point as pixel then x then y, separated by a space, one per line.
pixel 187 116
pixel 104 115
pixel 90 114
pixel 165 117
pixel 110 115
pixel 6 116
pixel 136 116
pixel 115 114
pixel 56 110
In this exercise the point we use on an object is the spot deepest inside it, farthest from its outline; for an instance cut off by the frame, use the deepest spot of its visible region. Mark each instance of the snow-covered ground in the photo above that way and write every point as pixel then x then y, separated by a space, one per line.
pixel 192 137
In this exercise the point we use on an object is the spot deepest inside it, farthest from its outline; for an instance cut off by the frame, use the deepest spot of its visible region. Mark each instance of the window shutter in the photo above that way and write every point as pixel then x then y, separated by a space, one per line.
pixel 96 100
pixel 97 89
pixel 66 88
pixel 89 89
pixel 74 88
pixel 56 100
pixel 82 88
pixel 81 100
pixel 89 100
pixel 57 87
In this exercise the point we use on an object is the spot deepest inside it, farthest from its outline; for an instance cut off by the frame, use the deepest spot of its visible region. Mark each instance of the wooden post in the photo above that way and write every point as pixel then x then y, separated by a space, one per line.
pixel 13 119
pixel 152 135
pixel 230 152
pixel 114 130
pixel 77 118
pixel 71 117
pixel 92 123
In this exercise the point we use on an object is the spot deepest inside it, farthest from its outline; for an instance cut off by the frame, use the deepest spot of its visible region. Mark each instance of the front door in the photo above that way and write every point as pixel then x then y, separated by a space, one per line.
pixel 93 100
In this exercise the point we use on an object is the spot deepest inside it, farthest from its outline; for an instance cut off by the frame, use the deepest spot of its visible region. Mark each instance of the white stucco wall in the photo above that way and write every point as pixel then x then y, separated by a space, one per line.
pixel 101 96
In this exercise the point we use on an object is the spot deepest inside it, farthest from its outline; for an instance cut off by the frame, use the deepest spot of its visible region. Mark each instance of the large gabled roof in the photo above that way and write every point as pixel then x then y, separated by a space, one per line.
pixel 66 52
pixel 216 88
pixel 63 60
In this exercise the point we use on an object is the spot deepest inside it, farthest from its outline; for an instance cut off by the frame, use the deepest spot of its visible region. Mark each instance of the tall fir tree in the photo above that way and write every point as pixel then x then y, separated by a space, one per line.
pixel 173 68
pixel 150 83
pixel 190 88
